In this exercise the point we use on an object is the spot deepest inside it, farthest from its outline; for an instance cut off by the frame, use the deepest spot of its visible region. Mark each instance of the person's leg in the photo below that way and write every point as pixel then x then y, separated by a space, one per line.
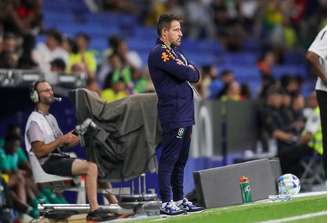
pixel 178 174
pixel 18 195
pixel 322 99
pixel 18 183
pixel 171 146
pixel 290 158
pixel 75 167
pixel 81 167
pixel 178 171
pixel 108 191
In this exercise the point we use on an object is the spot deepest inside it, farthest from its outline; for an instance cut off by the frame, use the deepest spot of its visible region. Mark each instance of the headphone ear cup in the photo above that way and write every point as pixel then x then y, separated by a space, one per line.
pixel 35 96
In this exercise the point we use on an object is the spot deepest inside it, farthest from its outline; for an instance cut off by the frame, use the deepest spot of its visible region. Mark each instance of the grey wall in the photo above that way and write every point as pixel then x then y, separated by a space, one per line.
pixel 219 187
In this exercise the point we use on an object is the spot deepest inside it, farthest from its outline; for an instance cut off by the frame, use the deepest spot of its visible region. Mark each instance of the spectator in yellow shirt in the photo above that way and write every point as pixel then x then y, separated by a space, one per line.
pixel 232 92
pixel 83 56
pixel 117 90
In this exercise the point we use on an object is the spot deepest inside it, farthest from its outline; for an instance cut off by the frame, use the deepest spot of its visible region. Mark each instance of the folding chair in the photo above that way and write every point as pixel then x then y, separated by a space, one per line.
pixel 70 209
pixel 40 176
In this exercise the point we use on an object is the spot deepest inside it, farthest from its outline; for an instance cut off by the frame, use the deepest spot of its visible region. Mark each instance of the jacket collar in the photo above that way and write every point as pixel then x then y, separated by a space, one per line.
pixel 159 41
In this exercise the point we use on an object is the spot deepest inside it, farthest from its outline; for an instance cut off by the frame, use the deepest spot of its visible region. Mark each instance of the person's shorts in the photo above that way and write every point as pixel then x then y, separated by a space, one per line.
pixel 60 166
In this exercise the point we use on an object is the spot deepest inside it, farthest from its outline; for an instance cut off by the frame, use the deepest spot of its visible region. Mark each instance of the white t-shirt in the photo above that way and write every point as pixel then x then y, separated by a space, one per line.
pixel 42 128
pixel 319 47
pixel 43 56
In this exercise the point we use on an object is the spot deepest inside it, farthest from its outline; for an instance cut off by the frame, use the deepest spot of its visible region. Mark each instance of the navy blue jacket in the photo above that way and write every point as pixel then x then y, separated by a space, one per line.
pixel 170 79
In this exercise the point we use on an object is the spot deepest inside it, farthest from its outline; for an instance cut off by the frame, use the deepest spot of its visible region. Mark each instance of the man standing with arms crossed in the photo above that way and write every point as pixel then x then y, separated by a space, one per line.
pixel 171 73
pixel 44 138
pixel 317 57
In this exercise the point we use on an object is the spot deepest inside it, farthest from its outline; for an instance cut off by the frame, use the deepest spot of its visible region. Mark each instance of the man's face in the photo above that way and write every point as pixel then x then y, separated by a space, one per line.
pixel 123 48
pixel 276 100
pixel 312 101
pixel 81 42
pixel 10 44
pixel 298 103
pixel 174 33
pixel 228 78
pixel 234 88
pixel 51 42
pixel 46 94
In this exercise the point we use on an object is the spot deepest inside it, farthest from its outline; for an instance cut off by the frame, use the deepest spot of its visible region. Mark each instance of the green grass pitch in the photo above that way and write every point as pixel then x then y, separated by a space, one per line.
pixel 256 212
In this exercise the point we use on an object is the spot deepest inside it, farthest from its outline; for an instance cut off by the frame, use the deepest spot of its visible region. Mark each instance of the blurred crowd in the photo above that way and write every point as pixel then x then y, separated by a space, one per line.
pixel 118 71
pixel 292 122
pixel 19 194
pixel 283 23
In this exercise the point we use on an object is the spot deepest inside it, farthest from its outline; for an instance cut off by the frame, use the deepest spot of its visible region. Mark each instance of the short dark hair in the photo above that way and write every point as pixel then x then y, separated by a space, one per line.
pixel 10 138
pixel 113 41
pixel 54 33
pixel 84 36
pixel 225 72
pixel 36 83
pixel 165 20
pixel 58 62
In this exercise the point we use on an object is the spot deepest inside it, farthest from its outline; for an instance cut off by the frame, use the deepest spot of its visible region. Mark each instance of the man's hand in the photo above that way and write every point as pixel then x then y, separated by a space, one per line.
pixel 180 62
pixel 191 66
pixel 69 139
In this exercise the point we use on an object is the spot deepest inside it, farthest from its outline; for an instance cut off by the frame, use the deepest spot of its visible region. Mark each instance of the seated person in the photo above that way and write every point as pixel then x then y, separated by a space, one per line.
pixel 116 91
pixel 290 151
pixel 232 92
pixel 83 55
pixel 22 191
pixel 44 138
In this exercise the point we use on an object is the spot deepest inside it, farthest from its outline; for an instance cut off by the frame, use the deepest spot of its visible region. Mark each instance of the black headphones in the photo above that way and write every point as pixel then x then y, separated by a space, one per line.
pixel 34 94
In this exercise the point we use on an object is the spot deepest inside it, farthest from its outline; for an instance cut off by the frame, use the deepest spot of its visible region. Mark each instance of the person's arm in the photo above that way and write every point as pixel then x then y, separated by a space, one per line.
pixel 313 59
pixel 312 125
pixel 283 136
pixel 42 149
pixel 174 67
pixel 305 138
pixel 192 66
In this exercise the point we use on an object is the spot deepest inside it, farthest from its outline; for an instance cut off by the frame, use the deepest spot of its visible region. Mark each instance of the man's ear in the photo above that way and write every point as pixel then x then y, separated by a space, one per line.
pixel 164 31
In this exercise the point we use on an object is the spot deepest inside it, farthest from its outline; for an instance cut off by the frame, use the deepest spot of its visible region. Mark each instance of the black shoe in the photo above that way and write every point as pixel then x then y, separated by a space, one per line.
pixel 100 215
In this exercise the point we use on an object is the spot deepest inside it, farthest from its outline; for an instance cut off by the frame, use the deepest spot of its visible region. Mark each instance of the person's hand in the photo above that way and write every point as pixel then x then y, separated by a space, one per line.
pixel 69 139
pixel 191 66
pixel 298 124
pixel 179 62
pixel 293 138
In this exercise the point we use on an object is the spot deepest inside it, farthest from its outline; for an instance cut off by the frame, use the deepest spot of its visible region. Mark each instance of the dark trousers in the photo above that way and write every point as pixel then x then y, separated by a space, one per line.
pixel 291 156
pixel 175 150
pixel 322 99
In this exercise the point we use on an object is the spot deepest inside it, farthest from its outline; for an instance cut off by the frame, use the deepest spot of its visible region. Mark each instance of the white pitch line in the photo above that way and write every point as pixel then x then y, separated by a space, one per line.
pixel 299 217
